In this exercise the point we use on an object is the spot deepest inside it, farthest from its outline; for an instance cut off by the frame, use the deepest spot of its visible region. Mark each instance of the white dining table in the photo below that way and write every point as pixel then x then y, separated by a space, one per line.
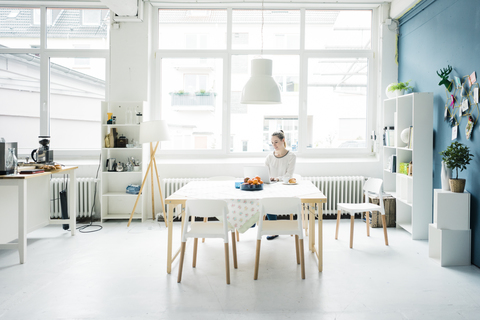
pixel 244 207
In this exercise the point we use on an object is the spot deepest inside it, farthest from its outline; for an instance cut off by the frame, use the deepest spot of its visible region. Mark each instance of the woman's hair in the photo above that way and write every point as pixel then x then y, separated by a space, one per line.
pixel 280 135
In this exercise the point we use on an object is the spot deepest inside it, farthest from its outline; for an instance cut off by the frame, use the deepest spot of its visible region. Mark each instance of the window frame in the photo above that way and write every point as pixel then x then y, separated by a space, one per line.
pixel 304 55
pixel 45 55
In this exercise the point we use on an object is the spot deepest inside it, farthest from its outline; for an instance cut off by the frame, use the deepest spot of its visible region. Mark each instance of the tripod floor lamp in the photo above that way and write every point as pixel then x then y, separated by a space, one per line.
pixel 150 132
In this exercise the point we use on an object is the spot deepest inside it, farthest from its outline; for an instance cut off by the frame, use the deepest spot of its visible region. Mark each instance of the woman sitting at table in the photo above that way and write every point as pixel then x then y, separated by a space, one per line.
pixel 281 164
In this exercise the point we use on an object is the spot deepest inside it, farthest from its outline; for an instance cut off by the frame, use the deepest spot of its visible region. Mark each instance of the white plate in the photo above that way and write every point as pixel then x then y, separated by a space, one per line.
pixel 290 184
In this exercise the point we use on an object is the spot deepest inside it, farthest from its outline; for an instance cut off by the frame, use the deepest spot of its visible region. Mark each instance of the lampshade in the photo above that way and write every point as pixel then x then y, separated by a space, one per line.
pixel 153 131
pixel 261 88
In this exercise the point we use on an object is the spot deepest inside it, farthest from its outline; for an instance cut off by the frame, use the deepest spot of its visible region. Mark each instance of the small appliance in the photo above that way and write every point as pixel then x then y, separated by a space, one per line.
pixel 4 146
pixel 43 154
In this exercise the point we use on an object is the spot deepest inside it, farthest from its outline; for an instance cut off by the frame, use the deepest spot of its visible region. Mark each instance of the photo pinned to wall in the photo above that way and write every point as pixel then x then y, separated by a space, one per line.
pixel 464 107
pixel 472 79
pixel 475 95
pixel 458 83
pixel 454 132
pixel 469 127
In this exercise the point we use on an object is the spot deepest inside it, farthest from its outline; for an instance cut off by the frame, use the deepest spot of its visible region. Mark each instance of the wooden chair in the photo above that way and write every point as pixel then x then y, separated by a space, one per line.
pixel 195 230
pixel 281 227
pixel 372 186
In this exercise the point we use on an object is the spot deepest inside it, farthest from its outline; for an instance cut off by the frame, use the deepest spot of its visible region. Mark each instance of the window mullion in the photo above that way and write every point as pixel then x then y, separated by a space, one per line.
pixel 44 76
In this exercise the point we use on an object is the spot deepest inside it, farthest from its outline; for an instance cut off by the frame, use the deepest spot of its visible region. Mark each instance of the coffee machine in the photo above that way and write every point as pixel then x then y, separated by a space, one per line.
pixel 43 154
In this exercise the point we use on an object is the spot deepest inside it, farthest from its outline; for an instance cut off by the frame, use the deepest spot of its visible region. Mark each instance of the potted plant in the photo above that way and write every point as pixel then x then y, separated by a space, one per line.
pixel 202 93
pixel 457 156
pixel 399 88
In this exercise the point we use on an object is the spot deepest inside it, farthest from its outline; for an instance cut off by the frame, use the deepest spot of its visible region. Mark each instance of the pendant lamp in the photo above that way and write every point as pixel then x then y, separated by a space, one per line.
pixel 261 88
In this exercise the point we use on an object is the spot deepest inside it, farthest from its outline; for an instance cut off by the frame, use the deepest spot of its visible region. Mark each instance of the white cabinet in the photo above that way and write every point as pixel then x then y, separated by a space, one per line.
pixel 115 202
pixel 449 239
pixel 413 193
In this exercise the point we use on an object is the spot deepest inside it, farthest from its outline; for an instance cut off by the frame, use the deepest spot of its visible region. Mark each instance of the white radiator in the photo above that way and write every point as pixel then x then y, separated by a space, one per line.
pixel 170 185
pixel 343 189
pixel 85 196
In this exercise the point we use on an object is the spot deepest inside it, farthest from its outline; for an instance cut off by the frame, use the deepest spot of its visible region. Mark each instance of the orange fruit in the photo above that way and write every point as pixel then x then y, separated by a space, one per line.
pixel 255 182
pixel 250 181
pixel 258 178
pixel 260 182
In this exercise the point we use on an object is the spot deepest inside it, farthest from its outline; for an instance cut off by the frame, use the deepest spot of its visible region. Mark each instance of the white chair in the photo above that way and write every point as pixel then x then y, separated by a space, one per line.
pixel 221 178
pixel 372 186
pixel 281 227
pixel 206 208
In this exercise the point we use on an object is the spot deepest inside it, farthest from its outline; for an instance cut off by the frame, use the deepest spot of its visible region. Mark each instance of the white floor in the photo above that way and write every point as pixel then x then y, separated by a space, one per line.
pixel 120 273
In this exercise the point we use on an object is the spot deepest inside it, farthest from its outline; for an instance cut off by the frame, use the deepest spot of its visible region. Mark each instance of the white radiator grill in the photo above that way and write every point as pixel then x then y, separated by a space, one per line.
pixel 173 184
pixel 343 189
pixel 85 196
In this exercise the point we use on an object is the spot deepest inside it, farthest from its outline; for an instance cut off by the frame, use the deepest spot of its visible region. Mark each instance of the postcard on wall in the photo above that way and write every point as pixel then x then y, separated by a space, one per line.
pixel 475 95
pixel 454 132
pixel 458 83
pixel 472 78
pixel 464 105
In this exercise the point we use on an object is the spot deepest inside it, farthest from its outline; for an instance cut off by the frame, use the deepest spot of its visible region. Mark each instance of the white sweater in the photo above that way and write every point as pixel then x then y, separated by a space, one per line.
pixel 281 168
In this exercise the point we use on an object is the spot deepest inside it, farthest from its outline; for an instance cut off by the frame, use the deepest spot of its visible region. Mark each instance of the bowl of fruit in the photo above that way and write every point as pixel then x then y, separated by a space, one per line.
pixel 252 184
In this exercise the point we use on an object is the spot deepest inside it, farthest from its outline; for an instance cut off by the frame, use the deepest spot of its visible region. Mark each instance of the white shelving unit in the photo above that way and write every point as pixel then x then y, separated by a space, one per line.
pixel 413 193
pixel 115 202
pixel 449 236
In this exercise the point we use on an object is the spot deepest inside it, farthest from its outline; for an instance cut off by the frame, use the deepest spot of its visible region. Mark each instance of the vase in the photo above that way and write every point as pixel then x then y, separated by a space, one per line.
pixel 446 176
pixel 390 94
pixel 457 185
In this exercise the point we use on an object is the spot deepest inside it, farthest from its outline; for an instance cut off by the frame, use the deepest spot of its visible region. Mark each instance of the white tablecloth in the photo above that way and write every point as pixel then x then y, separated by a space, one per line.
pixel 244 206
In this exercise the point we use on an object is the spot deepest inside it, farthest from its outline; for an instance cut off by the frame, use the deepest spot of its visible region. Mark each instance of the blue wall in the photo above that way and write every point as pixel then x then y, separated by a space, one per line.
pixel 445 32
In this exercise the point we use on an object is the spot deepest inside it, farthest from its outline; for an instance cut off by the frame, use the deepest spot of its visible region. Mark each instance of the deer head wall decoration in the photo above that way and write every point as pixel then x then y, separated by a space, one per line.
pixel 444 75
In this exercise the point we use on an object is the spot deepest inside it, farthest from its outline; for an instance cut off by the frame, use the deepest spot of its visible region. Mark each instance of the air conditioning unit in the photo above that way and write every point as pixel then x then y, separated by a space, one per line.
pixel 125 10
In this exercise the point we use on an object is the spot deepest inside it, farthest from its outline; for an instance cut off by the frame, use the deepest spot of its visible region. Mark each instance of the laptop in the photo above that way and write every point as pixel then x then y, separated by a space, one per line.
pixel 261 171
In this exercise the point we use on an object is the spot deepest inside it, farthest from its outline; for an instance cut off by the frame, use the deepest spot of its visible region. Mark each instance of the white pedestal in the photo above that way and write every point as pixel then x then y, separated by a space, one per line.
pixel 449 247
pixel 449 236
pixel 451 210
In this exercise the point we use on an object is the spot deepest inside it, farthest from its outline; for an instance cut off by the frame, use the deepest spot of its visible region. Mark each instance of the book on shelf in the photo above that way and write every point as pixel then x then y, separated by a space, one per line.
pixel 392 163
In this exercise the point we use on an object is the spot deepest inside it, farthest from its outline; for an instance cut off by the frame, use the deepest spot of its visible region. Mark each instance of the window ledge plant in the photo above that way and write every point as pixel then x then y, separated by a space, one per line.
pixel 399 88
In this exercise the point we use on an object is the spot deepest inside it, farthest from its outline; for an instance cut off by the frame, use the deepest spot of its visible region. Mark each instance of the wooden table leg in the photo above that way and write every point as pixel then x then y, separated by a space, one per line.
pixel 170 234
pixel 320 238
pixel 311 237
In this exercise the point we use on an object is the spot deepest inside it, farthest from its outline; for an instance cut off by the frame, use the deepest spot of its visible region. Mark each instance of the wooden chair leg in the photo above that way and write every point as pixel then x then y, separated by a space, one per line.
pixel 238 235
pixel 227 263
pixel 296 249
pixel 205 219
pixel 352 221
pixel 257 260
pixel 339 213
pixel 302 259
pixel 195 245
pixel 367 217
pixel 384 222
pixel 180 266
pixel 234 250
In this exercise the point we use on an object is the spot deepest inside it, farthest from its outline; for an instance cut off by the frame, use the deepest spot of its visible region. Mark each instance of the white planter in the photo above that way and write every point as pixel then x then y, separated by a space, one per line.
pixel 446 175
pixel 399 93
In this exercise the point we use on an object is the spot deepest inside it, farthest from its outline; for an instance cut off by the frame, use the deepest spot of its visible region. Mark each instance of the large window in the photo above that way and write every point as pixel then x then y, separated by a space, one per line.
pixel 42 74
pixel 322 63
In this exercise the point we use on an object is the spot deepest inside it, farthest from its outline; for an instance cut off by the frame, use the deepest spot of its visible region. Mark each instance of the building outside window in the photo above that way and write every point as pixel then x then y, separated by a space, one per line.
pixel 76 78
pixel 325 104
